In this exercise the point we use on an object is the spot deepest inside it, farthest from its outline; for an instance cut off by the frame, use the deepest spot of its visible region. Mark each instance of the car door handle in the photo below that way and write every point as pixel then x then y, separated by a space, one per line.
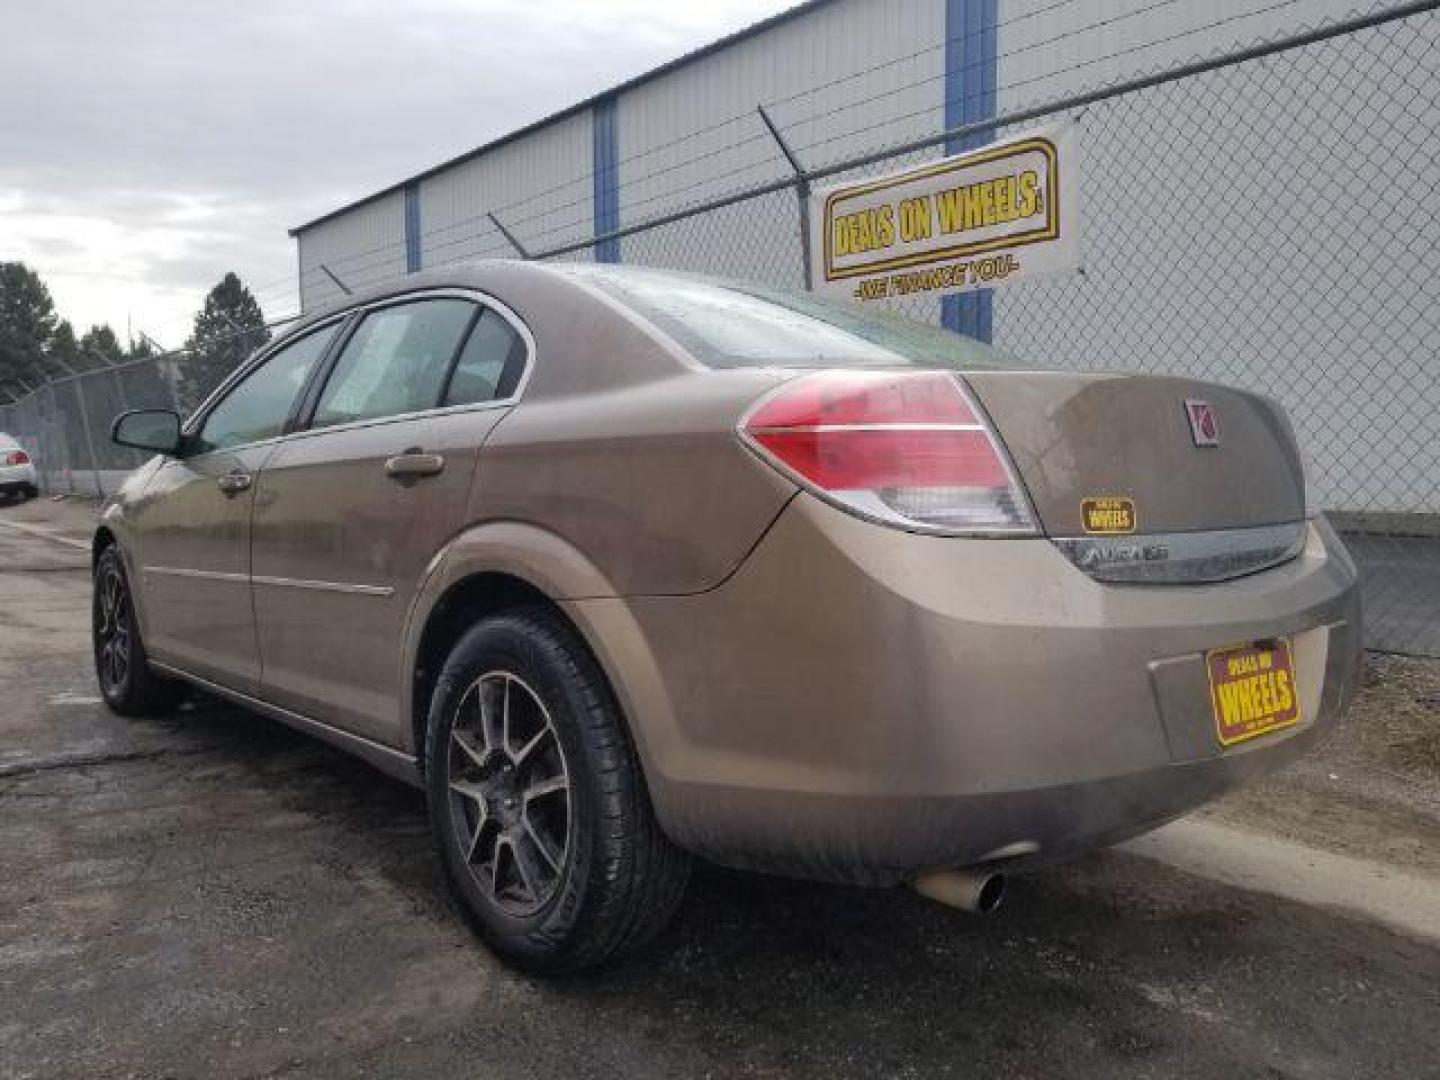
pixel 413 464
pixel 233 483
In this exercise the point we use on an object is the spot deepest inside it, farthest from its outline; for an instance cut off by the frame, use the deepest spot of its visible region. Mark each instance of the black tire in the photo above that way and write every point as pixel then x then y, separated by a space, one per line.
pixel 616 880
pixel 31 491
pixel 128 684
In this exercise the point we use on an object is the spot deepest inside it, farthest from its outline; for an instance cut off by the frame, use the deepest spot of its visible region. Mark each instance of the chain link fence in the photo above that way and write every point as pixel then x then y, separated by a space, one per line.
pixel 65 425
pixel 1268 218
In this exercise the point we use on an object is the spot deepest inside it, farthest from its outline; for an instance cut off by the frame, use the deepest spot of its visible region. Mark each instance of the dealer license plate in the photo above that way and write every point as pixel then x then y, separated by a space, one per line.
pixel 1252 689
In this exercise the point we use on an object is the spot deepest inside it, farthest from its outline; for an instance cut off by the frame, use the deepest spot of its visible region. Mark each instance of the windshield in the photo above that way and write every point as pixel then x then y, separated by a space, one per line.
pixel 727 324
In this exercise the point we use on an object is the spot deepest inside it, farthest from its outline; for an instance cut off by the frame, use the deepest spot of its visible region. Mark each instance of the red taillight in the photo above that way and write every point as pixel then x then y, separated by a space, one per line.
pixel 903 447
pixel 17 457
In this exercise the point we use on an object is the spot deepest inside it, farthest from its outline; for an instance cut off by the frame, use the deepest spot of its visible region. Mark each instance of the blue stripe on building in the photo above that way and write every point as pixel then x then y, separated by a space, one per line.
pixel 607 177
pixel 970 95
pixel 412 227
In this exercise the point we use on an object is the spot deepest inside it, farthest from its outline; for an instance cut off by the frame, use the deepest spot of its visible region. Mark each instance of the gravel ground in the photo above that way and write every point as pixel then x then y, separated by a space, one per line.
pixel 1404 709
pixel 1374 790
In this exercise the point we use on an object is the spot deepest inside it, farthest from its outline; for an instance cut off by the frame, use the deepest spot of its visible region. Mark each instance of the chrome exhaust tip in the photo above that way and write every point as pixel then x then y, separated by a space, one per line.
pixel 977 891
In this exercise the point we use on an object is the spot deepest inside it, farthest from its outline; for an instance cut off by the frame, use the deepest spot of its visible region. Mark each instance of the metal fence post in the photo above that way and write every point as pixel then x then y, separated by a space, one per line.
pixel 802 191
pixel 45 438
pixel 509 236
pixel 170 373
pixel 89 439
pixel 58 428
pixel 122 399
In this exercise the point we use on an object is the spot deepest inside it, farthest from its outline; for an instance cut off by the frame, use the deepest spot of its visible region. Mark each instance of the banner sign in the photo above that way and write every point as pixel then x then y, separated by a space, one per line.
pixel 979 219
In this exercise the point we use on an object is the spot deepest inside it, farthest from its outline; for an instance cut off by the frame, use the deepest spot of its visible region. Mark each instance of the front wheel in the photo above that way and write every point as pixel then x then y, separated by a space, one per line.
pixel 127 683
pixel 537 800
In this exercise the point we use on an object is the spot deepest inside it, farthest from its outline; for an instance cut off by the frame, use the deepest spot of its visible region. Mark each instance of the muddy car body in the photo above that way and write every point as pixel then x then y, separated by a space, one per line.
pixel 787 586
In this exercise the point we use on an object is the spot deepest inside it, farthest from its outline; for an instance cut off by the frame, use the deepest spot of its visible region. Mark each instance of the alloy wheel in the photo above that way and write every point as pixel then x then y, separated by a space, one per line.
pixel 509 793
pixel 112 630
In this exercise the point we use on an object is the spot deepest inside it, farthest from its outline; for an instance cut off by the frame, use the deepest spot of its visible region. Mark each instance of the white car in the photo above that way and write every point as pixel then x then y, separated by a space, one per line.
pixel 17 470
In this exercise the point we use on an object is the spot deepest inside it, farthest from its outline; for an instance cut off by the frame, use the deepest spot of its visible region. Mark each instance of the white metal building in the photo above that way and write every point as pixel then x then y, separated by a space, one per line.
pixel 842 77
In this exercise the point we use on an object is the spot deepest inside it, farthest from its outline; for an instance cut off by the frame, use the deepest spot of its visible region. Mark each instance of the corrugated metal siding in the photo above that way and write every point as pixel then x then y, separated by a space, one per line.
pixel 605 178
pixel 693 133
pixel 857 74
pixel 539 187
pixel 362 247
pixel 1196 262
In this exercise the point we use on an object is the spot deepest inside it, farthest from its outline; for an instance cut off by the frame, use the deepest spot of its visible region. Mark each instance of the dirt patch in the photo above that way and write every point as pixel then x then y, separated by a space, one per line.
pixel 1373 789
pixel 1400 708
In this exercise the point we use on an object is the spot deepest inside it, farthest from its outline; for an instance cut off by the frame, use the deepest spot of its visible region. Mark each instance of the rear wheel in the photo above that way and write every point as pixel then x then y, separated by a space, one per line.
pixel 31 491
pixel 537 801
pixel 127 683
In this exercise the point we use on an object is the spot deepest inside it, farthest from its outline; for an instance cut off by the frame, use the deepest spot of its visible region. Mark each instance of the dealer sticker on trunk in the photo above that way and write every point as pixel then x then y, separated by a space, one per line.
pixel 1108 516
pixel 1252 689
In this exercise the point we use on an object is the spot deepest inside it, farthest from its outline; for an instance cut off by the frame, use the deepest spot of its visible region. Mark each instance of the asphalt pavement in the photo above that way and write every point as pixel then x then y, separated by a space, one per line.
pixel 214 895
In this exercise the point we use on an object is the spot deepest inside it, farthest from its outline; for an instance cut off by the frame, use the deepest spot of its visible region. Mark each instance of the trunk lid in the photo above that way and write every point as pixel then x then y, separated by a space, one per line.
pixel 1078 437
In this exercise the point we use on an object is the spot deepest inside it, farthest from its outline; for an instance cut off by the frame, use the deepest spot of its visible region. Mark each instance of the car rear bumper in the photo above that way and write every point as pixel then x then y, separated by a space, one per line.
pixel 859 703
pixel 17 478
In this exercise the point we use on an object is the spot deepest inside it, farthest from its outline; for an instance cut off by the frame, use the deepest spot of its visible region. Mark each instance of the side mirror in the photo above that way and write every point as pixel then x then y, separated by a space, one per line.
pixel 156 430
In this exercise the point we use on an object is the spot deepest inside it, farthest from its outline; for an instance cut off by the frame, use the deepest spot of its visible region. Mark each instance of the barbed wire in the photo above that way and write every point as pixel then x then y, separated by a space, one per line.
pixel 762 137
pixel 368 258
pixel 747 115
pixel 1045 77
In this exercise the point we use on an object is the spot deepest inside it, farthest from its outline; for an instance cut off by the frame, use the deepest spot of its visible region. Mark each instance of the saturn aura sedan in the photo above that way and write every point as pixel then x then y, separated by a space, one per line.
pixel 625 566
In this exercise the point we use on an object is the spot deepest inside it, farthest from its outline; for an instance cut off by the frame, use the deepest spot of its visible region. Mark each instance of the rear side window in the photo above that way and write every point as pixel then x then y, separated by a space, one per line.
pixel 727 324
pixel 490 364
pixel 258 406
pixel 395 362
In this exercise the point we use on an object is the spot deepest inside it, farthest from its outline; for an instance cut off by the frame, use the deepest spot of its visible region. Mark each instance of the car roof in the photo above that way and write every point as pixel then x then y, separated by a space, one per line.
pixel 483 274
pixel 571 321
pixel 486 275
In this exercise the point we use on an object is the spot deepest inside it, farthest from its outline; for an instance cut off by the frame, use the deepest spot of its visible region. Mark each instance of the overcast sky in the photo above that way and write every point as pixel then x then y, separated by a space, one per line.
pixel 146 147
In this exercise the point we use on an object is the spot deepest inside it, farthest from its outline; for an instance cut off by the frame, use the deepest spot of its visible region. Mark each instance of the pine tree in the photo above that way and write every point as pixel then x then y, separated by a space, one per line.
pixel 227 330
pixel 62 353
pixel 27 324
pixel 100 348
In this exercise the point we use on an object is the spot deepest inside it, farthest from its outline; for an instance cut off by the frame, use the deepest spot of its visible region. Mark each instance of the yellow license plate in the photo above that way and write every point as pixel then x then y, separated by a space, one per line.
pixel 1252 690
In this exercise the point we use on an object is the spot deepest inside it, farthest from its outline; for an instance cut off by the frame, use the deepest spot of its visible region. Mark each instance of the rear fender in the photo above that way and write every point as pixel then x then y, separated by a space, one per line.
pixel 560 571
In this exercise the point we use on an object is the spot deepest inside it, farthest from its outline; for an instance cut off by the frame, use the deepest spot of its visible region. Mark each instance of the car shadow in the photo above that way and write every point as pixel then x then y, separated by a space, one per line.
pixel 1112 965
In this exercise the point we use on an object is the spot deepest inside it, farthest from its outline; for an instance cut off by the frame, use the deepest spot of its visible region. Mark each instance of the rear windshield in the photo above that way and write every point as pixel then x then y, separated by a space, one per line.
pixel 727 324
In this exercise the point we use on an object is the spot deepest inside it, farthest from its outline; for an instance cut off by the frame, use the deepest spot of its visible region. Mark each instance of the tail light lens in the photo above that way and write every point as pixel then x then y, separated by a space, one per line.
pixel 17 457
pixel 905 448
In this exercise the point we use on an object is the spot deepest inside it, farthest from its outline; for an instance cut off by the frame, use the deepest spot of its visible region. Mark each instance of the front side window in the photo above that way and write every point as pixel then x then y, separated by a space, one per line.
pixel 490 365
pixel 395 362
pixel 258 406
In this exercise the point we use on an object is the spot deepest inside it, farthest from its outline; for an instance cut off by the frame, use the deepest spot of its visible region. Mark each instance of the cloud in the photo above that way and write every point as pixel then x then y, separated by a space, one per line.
pixel 151 146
